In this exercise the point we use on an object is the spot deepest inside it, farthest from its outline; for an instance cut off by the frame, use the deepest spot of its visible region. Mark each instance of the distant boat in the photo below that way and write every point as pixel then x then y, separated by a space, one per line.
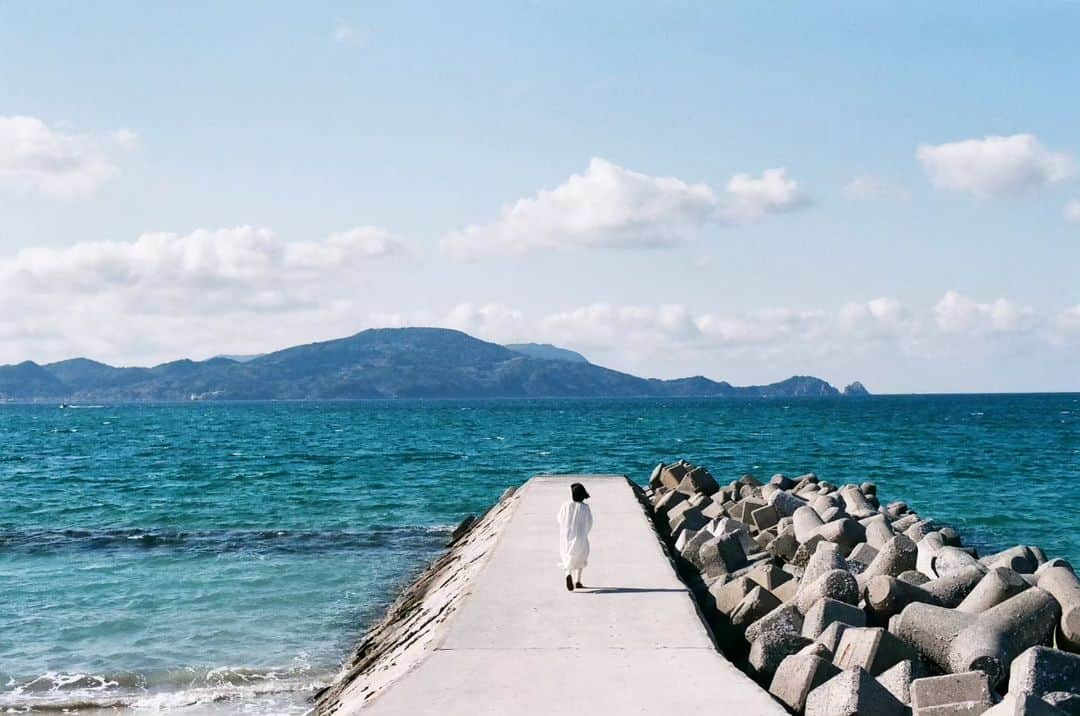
pixel 65 405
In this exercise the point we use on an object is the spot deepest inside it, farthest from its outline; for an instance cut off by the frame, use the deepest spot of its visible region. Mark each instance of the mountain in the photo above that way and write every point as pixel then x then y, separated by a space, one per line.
pixel 856 389
pixel 377 363
pixel 546 351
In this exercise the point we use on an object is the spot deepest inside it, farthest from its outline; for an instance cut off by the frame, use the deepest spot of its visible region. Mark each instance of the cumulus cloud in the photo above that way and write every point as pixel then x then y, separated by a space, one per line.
pixel 957 313
pixel 1072 211
pixel 994 166
pixel 48 161
pixel 871 187
pixel 608 206
pixel 165 292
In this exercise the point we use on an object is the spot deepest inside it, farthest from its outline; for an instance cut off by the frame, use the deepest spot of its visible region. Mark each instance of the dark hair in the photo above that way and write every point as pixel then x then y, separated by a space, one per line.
pixel 577 491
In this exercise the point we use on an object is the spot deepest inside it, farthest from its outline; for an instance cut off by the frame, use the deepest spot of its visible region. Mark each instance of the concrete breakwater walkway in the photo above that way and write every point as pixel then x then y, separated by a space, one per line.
pixel 519 643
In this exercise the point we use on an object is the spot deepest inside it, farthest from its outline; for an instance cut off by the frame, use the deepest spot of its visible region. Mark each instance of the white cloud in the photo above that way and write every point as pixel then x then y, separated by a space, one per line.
pixel 957 313
pixel 492 321
pixel 607 206
pixel 602 325
pixel 994 166
pixel 871 187
pixel 48 161
pixel 750 198
pixel 166 294
pixel 1072 211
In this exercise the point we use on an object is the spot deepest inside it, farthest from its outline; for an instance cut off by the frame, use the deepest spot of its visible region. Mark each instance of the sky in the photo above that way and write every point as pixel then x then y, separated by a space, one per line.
pixel 879 192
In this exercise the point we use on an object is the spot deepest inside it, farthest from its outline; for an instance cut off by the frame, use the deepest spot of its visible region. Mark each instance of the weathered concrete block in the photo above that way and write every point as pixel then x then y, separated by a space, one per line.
pixel 786 619
pixel 698 480
pixel 824 502
pixel 1055 562
pixel 836 584
pixel 828 611
pixel 863 554
pixel 720 555
pixel 913 576
pixel 764 517
pixel 806 521
pixel 769 575
pixel 713 510
pixel 830 638
pixel 950 536
pixel 996 586
pixel 1064 701
pixel 950 560
pixel 887 596
pixel 654 479
pixel 786 592
pixel 1041 670
pixel 845 532
pixel 726 597
pixel 897 679
pixel 684 537
pixel 896 510
pixel 832 514
pixel 755 605
pixel 963 693
pixel 895 556
pixel 1019 559
pixel 784 546
pixel 667 501
pixel 855 502
pixel 806 550
pixel 988 642
pixel 1065 588
pixel 797 676
pixel 871 648
pixel 786 503
pixel 692 545
pixel 782 482
pixel 825 557
pixel 771 648
pixel 688 519
pixel 671 475
pixel 744 508
pixel 926 550
pixel 920 529
pixel 878 531
pixel 1022 705
pixel 851 693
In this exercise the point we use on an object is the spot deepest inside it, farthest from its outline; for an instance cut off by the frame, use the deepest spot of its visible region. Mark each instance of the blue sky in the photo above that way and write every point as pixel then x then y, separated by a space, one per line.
pixel 195 179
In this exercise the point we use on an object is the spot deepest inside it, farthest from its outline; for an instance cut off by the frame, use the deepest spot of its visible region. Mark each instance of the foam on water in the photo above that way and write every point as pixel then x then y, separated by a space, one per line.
pixel 217 559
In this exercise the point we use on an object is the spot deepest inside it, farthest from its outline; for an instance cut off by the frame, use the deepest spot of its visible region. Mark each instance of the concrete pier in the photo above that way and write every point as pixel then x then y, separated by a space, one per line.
pixel 521 644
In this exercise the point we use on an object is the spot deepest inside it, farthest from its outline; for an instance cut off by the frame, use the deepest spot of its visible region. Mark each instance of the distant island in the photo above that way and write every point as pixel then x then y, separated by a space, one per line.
pixel 379 363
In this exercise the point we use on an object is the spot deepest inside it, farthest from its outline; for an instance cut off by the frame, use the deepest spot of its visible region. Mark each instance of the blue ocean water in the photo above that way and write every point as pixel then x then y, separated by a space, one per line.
pixel 216 558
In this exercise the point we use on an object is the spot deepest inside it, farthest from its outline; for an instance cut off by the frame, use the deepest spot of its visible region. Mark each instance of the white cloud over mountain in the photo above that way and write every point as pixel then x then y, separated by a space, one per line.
pixel 994 166
pixel 50 161
pixel 608 206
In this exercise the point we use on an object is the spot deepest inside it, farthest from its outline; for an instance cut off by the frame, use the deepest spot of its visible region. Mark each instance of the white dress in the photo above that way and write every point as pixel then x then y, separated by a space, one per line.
pixel 575 521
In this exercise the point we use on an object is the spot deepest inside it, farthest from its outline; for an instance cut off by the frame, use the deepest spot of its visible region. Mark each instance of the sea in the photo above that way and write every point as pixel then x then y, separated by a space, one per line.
pixel 213 558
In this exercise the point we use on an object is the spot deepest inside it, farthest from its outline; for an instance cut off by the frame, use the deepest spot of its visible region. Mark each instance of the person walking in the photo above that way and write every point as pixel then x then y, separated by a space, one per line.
pixel 575 521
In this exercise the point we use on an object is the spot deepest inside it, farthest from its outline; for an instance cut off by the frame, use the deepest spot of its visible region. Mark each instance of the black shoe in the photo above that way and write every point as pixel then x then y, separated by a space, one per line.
pixel 578 585
pixel 569 583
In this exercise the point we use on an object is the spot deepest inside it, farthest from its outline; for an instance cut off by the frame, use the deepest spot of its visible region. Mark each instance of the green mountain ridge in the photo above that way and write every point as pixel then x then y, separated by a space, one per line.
pixel 377 363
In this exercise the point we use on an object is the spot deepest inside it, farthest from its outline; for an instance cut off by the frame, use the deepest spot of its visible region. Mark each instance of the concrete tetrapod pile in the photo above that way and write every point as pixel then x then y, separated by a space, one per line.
pixel 841 605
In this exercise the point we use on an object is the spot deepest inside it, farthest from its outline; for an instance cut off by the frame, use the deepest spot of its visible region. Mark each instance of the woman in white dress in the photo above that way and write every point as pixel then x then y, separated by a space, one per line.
pixel 575 521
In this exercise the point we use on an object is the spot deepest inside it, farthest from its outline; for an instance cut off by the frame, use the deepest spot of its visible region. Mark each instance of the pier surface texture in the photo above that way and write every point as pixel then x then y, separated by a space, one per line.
pixel 521 644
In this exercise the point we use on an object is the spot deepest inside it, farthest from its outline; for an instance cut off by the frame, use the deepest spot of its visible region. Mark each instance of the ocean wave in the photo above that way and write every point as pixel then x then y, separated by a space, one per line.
pixel 47 541
pixel 180 690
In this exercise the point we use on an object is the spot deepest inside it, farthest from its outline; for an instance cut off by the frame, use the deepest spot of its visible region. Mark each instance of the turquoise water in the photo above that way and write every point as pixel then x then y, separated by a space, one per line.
pixel 223 558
